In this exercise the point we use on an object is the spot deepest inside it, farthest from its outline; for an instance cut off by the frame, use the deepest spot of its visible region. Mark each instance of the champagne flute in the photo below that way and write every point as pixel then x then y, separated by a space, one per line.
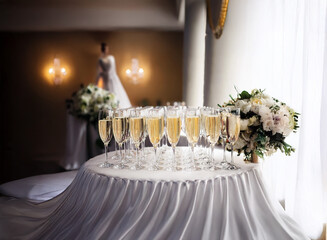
pixel 136 129
pixel 127 141
pixel 154 127
pixel 173 131
pixel 212 128
pixel 162 121
pixel 203 135
pixel 116 155
pixel 105 132
pixel 233 131
pixel 225 112
pixel 165 129
pixel 192 127
pixel 144 114
pixel 119 129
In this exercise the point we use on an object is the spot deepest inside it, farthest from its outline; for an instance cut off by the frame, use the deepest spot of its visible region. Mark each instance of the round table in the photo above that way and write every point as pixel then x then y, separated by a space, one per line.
pixel 128 204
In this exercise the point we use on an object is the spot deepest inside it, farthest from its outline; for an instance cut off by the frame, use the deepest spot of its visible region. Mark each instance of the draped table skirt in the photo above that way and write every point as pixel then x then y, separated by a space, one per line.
pixel 126 204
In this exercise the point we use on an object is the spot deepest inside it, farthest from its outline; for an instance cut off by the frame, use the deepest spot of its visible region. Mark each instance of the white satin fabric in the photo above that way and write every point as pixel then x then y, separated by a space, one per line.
pixel 38 188
pixel 81 145
pixel 111 81
pixel 127 204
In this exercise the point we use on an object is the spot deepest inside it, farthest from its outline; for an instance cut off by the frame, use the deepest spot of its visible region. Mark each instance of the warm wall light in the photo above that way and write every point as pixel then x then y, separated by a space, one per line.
pixel 56 72
pixel 136 72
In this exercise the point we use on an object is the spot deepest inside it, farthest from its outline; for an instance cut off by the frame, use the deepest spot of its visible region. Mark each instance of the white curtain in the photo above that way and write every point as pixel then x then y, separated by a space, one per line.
pixel 280 46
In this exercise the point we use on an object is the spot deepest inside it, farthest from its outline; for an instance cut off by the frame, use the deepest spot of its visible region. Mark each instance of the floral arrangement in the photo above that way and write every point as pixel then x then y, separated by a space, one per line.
pixel 265 123
pixel 86 102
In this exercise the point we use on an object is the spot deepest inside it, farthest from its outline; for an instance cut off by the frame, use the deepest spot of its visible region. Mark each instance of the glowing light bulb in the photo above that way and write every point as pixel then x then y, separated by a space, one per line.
pixel 63 71
pixel 141 70
pixel 51 71
pixel 128 72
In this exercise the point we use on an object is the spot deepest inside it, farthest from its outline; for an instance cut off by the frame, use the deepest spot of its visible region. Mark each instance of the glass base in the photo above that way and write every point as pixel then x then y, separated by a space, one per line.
pixel 192 168
pixel 119 166
pixel 153 168
pixel 227 166
pixel 136 167
pixel 115 156
pixel 105 165
pixel 129 157
pixel 174 169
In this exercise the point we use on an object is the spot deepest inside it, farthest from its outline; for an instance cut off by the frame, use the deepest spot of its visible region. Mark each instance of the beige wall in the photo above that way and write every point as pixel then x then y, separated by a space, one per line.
pixel 33 116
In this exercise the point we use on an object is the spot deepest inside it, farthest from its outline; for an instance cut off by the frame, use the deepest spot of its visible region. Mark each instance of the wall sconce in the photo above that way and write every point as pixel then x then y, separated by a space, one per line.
pixel 56 72
pixel 136 72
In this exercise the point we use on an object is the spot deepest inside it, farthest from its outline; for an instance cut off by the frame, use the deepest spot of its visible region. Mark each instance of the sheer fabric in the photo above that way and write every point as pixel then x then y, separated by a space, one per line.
pixel 280 46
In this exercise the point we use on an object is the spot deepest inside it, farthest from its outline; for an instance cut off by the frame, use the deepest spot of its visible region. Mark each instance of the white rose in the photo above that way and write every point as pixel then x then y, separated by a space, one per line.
pixel 244 124
pixel 267 101
pixel 245 106
pixel 266 118
pixel 86 99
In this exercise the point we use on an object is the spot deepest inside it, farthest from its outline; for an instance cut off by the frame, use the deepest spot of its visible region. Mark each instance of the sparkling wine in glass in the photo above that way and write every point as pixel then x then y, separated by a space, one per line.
pixel 144 114
pixel 165 137
pixel 136 129
pixel 233 127
pixel 225 114
pixel 125 145
pixel 192 127
pixel 203 135
pixel 155 130
pixel 212 129
pixel 174 125
pixel 105 131
pixel 120 126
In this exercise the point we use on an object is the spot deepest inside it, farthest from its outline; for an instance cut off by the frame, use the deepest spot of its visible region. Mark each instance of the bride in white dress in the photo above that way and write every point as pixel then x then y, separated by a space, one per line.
pixel 111 82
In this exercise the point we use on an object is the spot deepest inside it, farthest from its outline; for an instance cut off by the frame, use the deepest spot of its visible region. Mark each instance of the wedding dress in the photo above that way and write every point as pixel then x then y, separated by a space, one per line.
pixel 111 82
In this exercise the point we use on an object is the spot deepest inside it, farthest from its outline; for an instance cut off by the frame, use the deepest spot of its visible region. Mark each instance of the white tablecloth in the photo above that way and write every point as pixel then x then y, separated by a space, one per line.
pixel 80 143
pixel 127 204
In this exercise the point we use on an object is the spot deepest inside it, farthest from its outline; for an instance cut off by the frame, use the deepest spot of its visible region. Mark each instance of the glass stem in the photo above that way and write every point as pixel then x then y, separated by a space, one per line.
pixel 106 152
pixel 121 154
pixel 192 148
pixel 207 146
pixel 129 147
pixel 124 151
pixel 165 139
pixel 224 145
pixel 174 156
pixel 232 155
pixel 155 155
pixel 143 146
pixel 212 148
pixel 137 155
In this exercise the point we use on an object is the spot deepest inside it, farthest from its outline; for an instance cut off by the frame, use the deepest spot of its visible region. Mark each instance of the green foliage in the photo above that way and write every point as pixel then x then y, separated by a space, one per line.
pixel 244 95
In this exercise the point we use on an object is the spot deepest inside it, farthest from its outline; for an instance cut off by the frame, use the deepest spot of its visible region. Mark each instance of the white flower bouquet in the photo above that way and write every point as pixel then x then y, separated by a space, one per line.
pixel 86 102
pixel 265 123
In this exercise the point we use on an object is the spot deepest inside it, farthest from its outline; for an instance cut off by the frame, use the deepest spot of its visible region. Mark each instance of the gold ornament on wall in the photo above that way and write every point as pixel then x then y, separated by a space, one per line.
pixel 218 29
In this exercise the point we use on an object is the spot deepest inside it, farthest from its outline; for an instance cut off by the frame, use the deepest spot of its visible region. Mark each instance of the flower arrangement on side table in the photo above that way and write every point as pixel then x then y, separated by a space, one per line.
pixel 265 123
pixel 88 101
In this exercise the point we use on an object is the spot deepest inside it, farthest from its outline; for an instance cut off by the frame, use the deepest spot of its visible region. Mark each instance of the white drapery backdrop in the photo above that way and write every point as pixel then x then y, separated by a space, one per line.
pixel 280 46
